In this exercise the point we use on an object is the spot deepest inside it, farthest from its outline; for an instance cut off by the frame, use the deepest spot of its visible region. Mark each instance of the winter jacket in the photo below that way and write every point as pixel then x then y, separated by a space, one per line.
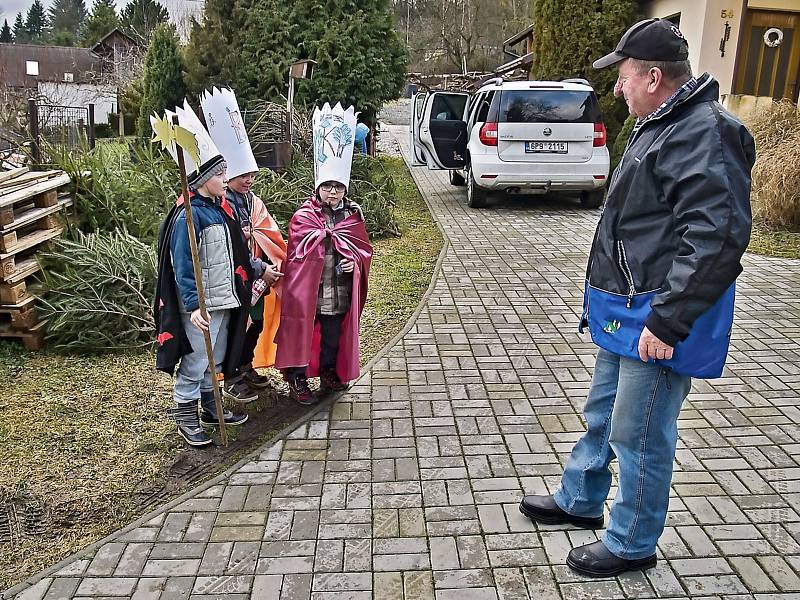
pixel 677 217
pixel 214 244
pixel 242 205
pixel 167 306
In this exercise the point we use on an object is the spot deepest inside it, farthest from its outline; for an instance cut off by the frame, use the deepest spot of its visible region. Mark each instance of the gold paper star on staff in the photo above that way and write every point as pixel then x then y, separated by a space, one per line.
pixel 166 133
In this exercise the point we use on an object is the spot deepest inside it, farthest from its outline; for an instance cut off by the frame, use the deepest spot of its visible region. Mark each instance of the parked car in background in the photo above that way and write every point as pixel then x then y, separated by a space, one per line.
pixel 517 137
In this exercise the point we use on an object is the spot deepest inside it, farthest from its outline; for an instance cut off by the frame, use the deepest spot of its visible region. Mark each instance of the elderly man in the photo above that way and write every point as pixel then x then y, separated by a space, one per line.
pixel 659 295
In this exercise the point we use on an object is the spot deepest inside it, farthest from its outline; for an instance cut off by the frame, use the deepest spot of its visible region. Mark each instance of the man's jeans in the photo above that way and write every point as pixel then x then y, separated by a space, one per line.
pixel 193 375
pixel 631 413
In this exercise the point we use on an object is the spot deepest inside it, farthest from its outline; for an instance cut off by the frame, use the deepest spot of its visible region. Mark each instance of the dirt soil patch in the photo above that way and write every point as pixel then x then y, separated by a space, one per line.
pixel 85 442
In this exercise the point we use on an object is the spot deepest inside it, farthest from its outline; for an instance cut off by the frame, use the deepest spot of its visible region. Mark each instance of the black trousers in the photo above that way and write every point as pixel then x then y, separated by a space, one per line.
pixel 331 331
pixel 248 346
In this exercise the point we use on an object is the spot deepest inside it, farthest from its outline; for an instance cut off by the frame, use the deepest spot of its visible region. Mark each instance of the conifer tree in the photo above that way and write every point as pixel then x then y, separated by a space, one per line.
pixel 20 33
pixel 163 77
pixel 140 18
pixel 6 37
pixel 570 34
pixel 36 22
pixel 67 16
pixel 101 21
pixel 209 57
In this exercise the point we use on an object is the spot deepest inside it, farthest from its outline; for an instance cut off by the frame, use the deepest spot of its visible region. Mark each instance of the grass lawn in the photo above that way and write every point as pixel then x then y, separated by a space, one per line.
pixel 785 244
pixel 85 443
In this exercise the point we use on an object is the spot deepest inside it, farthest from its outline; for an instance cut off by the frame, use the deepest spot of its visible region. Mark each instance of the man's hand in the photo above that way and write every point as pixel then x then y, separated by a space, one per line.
pixel 347 265
pixel 271 275
pixel 247 231
pixel 650 347
pixel 198 320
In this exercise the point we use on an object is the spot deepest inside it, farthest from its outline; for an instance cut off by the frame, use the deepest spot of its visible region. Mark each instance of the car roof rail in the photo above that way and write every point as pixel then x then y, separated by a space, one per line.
pixel 580 80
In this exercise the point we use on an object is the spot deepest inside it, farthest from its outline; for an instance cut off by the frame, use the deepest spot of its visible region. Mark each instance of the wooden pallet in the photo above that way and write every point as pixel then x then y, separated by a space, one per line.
pixel 22 316
pixel 33 339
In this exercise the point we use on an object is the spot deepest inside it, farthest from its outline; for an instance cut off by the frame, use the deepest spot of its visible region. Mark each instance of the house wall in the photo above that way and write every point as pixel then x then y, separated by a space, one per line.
pixel 104 97
pixel 703 24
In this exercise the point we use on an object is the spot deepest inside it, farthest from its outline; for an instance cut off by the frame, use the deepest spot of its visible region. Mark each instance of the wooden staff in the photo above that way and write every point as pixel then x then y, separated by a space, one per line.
pixel 201 295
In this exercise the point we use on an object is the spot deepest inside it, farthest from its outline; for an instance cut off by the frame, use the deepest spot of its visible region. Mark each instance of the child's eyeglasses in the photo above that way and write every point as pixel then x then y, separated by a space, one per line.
pixel 330 187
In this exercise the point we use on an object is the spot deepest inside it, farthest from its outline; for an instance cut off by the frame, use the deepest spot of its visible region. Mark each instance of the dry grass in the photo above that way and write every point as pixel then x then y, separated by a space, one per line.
pixel 80 436
pixel 776 174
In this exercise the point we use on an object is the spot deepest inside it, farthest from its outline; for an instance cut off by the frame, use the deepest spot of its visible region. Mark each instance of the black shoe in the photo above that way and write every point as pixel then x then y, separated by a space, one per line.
pixel 543 509
pixel 189 429
pixel 301 393
pixel 595 560
pixel 255 380
pixel 239 391
pixel 329 382
pixel 208 413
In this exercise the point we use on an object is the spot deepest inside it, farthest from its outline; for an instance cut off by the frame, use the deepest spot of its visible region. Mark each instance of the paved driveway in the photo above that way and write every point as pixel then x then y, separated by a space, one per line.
pixel 408 487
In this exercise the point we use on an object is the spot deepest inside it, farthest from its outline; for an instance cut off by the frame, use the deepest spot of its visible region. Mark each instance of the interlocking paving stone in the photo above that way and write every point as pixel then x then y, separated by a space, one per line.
pixel 407 488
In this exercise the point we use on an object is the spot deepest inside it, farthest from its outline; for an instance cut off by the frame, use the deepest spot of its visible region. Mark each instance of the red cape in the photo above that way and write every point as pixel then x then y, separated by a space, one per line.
pixel 298 339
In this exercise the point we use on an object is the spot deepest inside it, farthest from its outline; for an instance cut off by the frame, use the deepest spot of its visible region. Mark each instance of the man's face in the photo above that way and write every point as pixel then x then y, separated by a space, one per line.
pixel 243 183
pixel 636 89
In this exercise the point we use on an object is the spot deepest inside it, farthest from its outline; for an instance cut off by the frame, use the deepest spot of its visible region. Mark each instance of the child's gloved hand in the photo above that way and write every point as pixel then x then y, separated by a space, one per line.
pixel 347 265
pixel 271 275
pixel 198 320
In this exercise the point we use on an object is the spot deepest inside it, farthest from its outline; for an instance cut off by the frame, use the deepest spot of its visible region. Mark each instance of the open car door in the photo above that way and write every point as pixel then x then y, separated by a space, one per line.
pixel 414 124
pixel 442 132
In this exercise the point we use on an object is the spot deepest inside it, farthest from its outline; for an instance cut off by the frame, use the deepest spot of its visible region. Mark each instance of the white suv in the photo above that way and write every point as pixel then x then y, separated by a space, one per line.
pixel 530 137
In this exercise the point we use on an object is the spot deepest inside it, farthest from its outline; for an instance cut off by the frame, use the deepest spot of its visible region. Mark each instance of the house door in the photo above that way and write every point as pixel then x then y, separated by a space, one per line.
pixel 769 55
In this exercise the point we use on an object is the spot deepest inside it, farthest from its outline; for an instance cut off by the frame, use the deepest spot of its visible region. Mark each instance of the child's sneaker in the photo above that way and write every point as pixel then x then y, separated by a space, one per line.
pixel 239 391
pixel 189 429
pixel 300 392
pixel 255 379
pixel 208 415
pixel 329 382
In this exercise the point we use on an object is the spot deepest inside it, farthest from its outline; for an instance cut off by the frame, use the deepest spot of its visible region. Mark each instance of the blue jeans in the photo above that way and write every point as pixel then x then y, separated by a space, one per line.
pixel 631 414
pixel 193 375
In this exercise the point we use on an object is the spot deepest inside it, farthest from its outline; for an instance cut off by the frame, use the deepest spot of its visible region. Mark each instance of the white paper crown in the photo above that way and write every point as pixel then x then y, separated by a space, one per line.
pixel 189 121
pixel 226 127
pixel 334 133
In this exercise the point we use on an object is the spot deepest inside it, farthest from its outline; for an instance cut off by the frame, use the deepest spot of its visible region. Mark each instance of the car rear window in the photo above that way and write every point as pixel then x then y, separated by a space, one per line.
pixel 548 106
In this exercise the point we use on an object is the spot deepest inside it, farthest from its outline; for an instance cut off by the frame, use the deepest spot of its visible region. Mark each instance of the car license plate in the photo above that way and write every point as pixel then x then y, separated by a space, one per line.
pixel 546 147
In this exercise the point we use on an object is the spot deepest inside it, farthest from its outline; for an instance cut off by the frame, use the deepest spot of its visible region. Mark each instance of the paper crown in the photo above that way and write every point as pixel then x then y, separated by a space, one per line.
pixel 226 127
pixel 209 155
pixel 334 132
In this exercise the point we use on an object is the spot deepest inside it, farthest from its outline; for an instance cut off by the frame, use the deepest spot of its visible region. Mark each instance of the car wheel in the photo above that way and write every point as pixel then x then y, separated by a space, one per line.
pixel 456 179
pixel 592 199
pixel 476 195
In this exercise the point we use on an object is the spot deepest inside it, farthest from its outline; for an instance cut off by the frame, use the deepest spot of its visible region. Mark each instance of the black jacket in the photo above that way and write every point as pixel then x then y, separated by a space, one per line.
pixel 677 216
pixel 171 338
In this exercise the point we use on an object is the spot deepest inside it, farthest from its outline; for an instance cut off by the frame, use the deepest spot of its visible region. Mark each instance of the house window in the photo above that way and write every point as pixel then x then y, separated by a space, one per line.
pixel 69 77
pixel 32 67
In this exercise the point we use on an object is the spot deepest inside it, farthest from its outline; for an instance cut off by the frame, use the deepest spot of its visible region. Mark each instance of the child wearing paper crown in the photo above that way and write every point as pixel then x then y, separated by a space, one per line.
pixel 264 240
pixel 326 270
pixel 225 265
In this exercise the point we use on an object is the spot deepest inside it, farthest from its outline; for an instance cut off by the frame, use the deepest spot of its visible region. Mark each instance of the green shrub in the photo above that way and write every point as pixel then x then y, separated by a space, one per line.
pixel 618 149
pixel 99 292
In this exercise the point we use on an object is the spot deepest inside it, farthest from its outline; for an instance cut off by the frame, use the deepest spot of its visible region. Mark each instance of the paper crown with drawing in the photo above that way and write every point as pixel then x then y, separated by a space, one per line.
pixel 226 127
pixel 201 156
pixel 334 134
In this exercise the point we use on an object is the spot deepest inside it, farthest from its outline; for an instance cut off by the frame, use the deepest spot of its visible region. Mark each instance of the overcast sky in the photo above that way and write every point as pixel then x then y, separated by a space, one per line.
pixel 177 8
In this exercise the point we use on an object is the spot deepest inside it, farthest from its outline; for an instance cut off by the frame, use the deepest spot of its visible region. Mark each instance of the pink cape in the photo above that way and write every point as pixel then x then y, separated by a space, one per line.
pixel 298 338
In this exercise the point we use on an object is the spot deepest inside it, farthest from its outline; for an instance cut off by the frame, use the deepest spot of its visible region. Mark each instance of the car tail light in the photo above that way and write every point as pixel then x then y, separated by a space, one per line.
pixel 600 135
pixel 488 134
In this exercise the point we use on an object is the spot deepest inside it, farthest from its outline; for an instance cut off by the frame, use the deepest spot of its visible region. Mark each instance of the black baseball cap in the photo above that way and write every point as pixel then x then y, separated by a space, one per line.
pixel 652 39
